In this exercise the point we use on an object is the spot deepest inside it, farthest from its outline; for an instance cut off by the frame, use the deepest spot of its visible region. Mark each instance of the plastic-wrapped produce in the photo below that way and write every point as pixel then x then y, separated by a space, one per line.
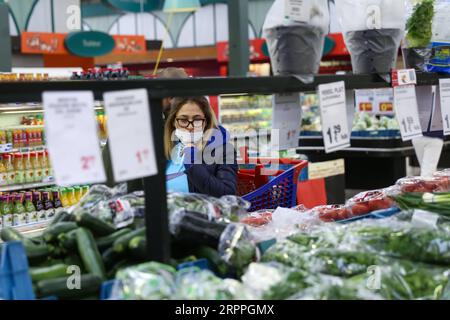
pixel 194 284
pixel 419 33
pixel 148 281
pixel 370 201
pixel 373 30
pixel 237 247
pixel 227 208
pixel 400 240
pixel 419 184
pixel 96 201
pixel 274 281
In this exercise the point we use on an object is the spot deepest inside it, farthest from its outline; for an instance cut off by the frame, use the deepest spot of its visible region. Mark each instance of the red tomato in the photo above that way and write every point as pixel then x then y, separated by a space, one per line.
pixel 359 209
pixel 380 204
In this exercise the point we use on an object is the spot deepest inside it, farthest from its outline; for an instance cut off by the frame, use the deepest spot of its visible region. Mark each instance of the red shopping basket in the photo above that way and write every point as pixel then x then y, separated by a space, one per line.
pixel 265 185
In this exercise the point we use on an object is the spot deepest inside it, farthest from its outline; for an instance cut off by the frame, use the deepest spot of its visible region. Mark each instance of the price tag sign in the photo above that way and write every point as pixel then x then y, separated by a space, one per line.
pixel 444 89
pixel 130 134
pixel 286 118
pixel 407 113
pixel 384 101
pixel 403 77
pixel 72 138
pixel 364 100
pixel 333 111
pixel 298 10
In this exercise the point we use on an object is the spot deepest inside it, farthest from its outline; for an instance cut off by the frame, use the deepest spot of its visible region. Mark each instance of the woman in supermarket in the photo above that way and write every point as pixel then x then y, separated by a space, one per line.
pixel 201 158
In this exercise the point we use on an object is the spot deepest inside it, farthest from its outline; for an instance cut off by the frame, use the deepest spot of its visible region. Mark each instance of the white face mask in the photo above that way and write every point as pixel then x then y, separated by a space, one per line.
pixel 187 137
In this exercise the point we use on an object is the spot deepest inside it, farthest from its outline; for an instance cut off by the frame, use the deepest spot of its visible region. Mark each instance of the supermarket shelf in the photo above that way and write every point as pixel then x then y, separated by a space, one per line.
pixel 26 186
pixel 23 149
pixel 26 91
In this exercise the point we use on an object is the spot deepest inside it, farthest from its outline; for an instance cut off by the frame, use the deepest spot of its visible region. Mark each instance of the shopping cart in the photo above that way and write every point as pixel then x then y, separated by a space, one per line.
pixel 268 183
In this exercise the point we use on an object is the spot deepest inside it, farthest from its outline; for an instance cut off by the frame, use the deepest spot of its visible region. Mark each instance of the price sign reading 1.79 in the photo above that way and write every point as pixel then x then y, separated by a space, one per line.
pixel 407 112
pixel 333 111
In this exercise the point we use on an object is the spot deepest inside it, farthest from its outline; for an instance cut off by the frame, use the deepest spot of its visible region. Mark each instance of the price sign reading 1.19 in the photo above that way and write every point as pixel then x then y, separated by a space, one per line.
pixel 333 111
pixel 407 113
pixel 72 137
pixel 130 134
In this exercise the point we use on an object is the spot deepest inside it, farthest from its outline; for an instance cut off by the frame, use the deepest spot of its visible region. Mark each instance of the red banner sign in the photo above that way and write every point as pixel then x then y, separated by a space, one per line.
pixel 129 44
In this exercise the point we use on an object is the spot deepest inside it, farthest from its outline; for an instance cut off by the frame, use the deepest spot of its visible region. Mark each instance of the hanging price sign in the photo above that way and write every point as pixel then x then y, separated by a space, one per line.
pixel 286 118
pixel 333 111
pixel 130 134
pixel 72 138
pixel 407 113
pixel 444 86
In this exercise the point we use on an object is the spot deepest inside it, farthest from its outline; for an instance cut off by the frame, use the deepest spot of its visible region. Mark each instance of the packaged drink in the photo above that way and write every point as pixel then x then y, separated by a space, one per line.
pixel 71 196
pixel 38 173
pixel 48 207
pixel 3 172
pixel 8 212
pixel 85 190
pixel 78 193
pixel 29 205
pixel 19 176
pixel 2 201
pixel 9 136
pixel 2 137
pixel 28 168
pixel 19 216
pixel 47 169
pixel 9 169
pixel 23 139
pixel 57 204
pixel 64 199
pixel 39 206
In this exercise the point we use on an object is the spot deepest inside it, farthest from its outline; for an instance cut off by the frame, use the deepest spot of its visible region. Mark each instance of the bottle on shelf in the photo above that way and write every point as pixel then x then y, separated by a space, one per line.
pixel 57 204
pixel 38 176
pixel 38 204
pixel 19 176
pixel 78 193
pixel 18 211
pixel 71 196
pixel 28 167
pixel 9 169
pixel 3 172
pixel 7 211
pixel 48 206
pixel 47 167
pixel 29 205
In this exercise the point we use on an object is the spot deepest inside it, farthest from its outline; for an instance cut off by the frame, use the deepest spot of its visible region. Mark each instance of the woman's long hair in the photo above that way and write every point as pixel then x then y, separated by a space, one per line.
pixel 169 128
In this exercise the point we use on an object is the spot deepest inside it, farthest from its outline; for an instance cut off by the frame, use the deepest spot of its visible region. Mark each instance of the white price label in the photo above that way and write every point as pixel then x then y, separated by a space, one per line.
pixel 373 13
pixel 130 134
pixel 286 118
pixel 72 138
pixel 333 110
pixel 384 101
pixel 444 87
pixel 298 10
pixel 365 101
pixel 407 113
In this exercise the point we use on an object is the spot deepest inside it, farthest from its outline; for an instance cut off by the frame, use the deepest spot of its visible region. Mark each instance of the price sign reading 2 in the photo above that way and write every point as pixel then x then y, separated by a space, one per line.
pixel 87 162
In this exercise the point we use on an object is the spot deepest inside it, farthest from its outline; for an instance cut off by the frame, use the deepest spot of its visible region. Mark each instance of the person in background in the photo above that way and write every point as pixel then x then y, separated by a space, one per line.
pixel 170 73
pixel 296 44
pixel 200 157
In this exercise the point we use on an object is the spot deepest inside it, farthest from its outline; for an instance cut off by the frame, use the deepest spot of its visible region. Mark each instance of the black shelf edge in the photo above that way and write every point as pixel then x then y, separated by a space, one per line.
pixel 22 91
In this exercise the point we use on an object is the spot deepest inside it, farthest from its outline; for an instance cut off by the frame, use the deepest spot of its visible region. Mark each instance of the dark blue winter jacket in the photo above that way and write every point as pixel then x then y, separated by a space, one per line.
pixel 213 171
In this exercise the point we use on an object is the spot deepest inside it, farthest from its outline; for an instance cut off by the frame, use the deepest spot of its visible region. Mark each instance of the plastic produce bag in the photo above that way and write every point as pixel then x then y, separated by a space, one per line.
pixel 274 281
pixel 373 30
pixel 237 247
pixel 399 239
pixel 227 208
pixel 194 284
pixel 96 201
pixel 128 209
pixel 194 228
pixel 369 201
pixel 439 183
pixel 147 281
